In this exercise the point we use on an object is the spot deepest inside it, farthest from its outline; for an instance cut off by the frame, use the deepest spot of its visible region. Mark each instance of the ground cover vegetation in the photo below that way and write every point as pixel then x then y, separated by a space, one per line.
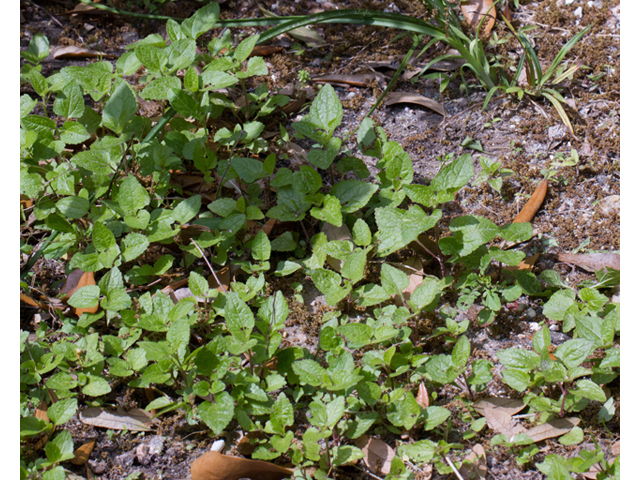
pixel 179 297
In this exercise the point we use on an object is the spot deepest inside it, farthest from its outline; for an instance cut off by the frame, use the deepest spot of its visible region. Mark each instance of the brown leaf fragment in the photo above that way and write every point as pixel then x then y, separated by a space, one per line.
pixel 475 466
pixel 135 420
pixel 265 50
pixel 423 396
pixel 476 10
pixel 224 275
pixel 41 411
pixel 78 279
pixel 413 268
pixel 592 261
pixel 553 428
pixel 267 227
pixel 72 51
pixel 405 97
pixel 82 453
pixel 615 449
pixel 355 80
pixel 84 9
pixel 501 421
pixel 246 445
pixel 30 301
pixel 377 454
pixel 215 466
pixel 509 405
pixel 533 205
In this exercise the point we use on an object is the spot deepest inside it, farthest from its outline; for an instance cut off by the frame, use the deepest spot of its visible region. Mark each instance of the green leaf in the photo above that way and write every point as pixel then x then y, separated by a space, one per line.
pixel 261 247
pixel 397 228
pixel 555 468
pixel 454 175
pixel 426 292
pixel 473 231
pixel 119 109
pixel 198 284
pixel 353 194
pixel 159 88
pixel 244 48
pixel 102 237
pixel 187 209
pixel 329 283
pixel 393 281
pixel 132 196
pixel 361 233
pixel 180 54
pixel 238 316
pixel 281 414
pixel 589 389
pixel 62 411
pixel 38 48
pixel 357 334
pixel 517 232
pixel 73 133
pixel 27 104
pixel 309 372
pixel 284 243
pixel 73 207
pixel 516 379
pixel 248 169
pixel 202 21
pixel 421 194
pixel 331 211
pixel 326 110
pixel 353 267
pixel 219 414
pixel 96 386
pixel 85 297
pixel 575 436
pixel 461 351
pixel 183 103
pixel 435 416
pixel 541 341
pixel 519 358
pixel 508 257
pixel 60 448
pixel 134 245
pixel 38 82
pixel 70 103
pixel 573 352
pixel 218 79
pixel 255 66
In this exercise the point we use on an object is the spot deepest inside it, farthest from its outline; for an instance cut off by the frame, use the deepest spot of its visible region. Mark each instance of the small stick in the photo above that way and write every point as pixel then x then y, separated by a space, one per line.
pixel 47 12
pixel 455 470
pixel 209 265
pixel 372 475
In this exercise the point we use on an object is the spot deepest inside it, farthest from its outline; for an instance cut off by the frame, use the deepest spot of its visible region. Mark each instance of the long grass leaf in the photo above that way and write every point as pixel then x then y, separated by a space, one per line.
pixel 562 53
pixel 558 106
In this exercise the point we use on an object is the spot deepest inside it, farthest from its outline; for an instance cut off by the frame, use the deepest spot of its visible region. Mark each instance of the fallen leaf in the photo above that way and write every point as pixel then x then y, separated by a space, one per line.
pixel 72 51
pixel 476 10
pixel 25 201
pixel 499 420
pixel 553 428
pixel 30 301
pixel 82 453
pixel 246 446
pixel 41 411
pixel 423 396
pixel 377 454
pixel 265 50
pixel 477 468
pixel 135 420
pixel 531 207
pixel 615 449
pixel 592 261
pixel 224 275
pixel 355 80
pixel 405 97
pixel 267 227
pixel 84 9
pixel 295 104
pixel 509 405
pixel 215 466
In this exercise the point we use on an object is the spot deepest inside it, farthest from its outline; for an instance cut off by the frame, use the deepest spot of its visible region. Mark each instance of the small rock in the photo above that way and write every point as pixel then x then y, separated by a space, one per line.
pixel 218 446
pixel 534 326
pixel 156 444
pixel 142 454
pixel 610 206
pixel 578 12
pixel 125 459
pixel 531 313
pixel 557 132
pixel 98 466
pixel 351 95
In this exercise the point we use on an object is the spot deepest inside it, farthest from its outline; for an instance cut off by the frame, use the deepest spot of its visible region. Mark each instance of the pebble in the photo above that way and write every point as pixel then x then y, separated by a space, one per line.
pixel 610 206
pixel 557 132
pixel 578 12
pixel 218 446
pixel 351 95
pixel 531 313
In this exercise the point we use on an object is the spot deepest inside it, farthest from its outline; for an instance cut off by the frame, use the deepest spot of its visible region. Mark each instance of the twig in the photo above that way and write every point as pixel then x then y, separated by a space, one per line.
pixel 47 12
pixel 209 265
pixel 372 475
pixel 455 470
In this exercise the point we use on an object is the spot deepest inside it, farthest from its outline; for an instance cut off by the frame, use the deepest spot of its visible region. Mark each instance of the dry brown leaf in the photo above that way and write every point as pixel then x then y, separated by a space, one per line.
pixel 135 420
pixel 84 9
pixel 215 466
pixel 224 276
pixel 475 10
pixel 533 205
pixel 295 104
pixel 615 449
pixel 354 80
pixel 377 454
pixel 25 201
pixel 246 446
pixel 267 227
pixel 592 261
pixel 526 264
pixel 477 469
pixel 72 51
pixel 82 453
pixel 499 420
pixel 509 405
pixel 30 301
pixel 264 50
pixel 41 411
pixel 553 428
pixel 406 97
pixel 423 396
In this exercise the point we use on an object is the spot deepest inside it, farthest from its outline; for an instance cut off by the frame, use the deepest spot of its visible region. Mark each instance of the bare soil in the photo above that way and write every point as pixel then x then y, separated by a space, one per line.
pixel 524 135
